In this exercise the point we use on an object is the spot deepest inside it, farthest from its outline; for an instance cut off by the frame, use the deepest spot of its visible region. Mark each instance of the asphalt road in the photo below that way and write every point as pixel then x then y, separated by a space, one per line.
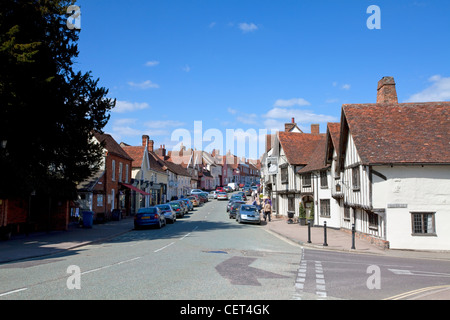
pixel 207 256
pixel 204 256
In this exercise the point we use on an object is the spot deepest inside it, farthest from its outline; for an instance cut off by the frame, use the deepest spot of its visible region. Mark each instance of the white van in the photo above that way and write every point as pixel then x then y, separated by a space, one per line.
pixel 233 186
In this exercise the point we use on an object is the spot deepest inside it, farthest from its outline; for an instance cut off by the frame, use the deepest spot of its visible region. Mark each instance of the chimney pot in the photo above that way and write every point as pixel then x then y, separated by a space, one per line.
pixel 293 120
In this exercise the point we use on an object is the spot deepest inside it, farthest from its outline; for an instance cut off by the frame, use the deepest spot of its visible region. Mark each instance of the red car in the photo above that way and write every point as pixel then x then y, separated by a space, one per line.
pixel 220 189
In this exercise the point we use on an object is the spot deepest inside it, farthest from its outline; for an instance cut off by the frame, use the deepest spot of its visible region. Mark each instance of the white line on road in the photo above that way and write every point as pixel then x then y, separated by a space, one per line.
pixel 11 292
pixel 160 249
pixel 109 266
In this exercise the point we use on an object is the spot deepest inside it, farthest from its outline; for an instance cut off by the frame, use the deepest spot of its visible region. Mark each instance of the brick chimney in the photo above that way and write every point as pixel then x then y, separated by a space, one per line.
pixel 315 129
pixel 288 126
pixel 161 151
pixel 386 91
pixel 146 141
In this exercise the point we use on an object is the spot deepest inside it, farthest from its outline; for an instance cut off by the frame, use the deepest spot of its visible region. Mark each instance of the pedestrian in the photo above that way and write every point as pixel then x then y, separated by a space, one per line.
pixel 267 211
pixel 257 204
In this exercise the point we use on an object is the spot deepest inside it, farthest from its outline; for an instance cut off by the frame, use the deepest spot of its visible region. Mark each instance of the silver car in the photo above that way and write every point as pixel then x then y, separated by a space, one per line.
pixel 168 212
pixel 248 213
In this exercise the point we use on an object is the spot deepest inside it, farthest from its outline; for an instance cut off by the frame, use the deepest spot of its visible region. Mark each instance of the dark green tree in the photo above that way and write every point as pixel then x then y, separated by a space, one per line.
pixel 48 111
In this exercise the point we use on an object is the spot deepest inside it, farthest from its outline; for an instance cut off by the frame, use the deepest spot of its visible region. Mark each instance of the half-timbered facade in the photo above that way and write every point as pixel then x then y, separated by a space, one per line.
pixel 395 169
pixel 293 151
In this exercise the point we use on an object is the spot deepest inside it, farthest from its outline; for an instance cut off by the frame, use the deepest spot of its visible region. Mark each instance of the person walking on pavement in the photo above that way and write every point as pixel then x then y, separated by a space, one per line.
pixel 267 211
pixel 258 205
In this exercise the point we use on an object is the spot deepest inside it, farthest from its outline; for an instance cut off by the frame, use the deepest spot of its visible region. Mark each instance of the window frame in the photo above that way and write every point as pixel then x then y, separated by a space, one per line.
pixel 423 223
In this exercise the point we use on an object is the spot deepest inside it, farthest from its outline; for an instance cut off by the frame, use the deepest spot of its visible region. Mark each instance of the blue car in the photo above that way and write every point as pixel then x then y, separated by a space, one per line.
pixel 168 212
pixel 151 216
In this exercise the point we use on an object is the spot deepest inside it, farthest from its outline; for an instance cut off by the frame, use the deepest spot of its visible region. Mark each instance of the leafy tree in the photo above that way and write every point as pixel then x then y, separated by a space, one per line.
pixel 48 112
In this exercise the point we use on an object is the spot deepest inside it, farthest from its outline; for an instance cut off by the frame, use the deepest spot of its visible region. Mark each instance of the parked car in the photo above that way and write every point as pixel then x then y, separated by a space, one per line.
pixel 151 216
pixel 183 205
pixel 248 213
pixel 228 189
pixel 212 195
pixel 203 197
pixel 220 189
pixel 196 191
pixel 188 203
pixel 194 199
pixel 234 186
pixel 233 208
pixel 177 208
pixel 168 212
pixel 222 196
pixel 233 199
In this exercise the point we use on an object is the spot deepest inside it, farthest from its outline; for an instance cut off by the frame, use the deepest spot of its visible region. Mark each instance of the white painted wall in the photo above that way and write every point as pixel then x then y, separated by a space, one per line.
pixel 421 189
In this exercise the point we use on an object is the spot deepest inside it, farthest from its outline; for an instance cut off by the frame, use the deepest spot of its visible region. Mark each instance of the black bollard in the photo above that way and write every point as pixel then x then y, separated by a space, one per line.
pixel 309 231
pixel 353 236
pixel 325 244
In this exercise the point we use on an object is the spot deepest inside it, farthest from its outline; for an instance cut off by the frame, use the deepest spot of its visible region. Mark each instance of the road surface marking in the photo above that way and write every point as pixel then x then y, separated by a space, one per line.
pixel 414 292
pixel 160 249
pixel 11 292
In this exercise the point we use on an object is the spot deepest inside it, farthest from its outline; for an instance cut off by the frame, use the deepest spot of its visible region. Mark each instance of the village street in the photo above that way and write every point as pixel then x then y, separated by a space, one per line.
pixel 207 256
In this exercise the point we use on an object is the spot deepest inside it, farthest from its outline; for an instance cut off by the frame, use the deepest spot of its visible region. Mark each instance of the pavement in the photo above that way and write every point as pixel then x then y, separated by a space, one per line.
pixel 40 244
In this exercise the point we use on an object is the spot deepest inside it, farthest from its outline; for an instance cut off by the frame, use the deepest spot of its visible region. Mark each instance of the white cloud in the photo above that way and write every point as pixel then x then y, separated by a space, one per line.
pixel 232 111
pixel 248 118
pixel 151 63
pixel 346 86
pixel 248 27
pixel 186 68
pixel 439 90
pixel 163 124
pixel 125 121
pixel 332 100
pixel 125 131
pixel 212 25
pixel 291 102
pixel 276 116
pixel 126 106
pixel 144 85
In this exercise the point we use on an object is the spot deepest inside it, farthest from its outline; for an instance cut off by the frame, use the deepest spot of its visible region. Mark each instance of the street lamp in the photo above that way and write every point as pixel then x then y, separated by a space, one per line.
pixel 4 142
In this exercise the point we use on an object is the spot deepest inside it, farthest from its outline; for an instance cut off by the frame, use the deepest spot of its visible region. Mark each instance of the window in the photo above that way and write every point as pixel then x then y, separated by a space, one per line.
pixel 284 175
pixel 113 171
pixel 306 180
pixel 347 213
pixel 325 207
pixel 291 202
pixel 120 171
pixel 423 223
pixel 323 179
pixel 373 220
pixel 355 179
pixel 126 173
pixel 99 200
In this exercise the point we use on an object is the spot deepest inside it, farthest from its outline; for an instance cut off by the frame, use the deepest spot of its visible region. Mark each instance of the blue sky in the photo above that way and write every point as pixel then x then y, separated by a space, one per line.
pixel 255 64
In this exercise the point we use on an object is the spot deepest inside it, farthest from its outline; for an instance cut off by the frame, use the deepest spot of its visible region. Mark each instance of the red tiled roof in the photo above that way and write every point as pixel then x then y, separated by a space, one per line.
pixel 317 158
pixel 399 133
pixel 135 152
pixel 111 145
pixel 299 147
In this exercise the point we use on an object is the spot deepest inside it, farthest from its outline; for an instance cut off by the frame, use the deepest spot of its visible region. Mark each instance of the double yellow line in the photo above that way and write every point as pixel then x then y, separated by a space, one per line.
pixel 414 292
